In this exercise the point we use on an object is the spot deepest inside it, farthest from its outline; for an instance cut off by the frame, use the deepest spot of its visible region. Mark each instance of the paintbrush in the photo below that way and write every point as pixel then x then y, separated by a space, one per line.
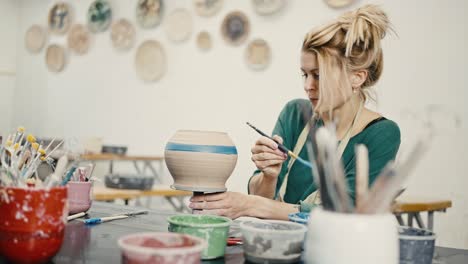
pixel 362 173
pixel 93 221
pixel 332 180
pixel 282 147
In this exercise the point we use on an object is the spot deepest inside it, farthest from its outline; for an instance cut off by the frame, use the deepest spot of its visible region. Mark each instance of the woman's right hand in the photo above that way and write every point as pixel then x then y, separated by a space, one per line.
pixel 268 157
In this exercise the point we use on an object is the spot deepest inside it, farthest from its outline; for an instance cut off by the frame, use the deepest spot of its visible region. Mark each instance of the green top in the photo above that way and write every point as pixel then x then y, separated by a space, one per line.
pixel 382 140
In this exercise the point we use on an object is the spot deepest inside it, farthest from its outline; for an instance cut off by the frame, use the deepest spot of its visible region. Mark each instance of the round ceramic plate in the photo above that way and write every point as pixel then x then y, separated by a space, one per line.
pixel 204 41
pixel 258 54
pixel 150 61
pixel 99 16
pixel 179 25
pixel 122 34
pixel 235 28
pixel 149 13
pixel 55 58
pixel 207 8
pixel 78 39
pixel 338 3
pixel 35 39
pixel 268 7
pixel 59 18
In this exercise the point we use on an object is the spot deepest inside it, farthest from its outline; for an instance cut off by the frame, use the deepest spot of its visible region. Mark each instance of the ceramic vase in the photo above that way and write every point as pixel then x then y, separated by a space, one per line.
pixel 200 161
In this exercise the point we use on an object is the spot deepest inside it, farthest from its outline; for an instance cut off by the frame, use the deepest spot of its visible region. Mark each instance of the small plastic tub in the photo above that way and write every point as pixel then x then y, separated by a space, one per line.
pixel 161 248
pixel 416 245
pixel 272 241
pixel 213 229
pixel 301 217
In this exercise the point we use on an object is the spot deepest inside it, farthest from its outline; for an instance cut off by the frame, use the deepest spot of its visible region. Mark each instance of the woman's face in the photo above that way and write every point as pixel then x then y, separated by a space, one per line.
pixel 310 74
pixel 323 101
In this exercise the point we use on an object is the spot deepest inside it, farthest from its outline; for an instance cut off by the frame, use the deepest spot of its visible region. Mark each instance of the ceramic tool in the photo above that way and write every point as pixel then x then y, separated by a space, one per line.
pixel 283 148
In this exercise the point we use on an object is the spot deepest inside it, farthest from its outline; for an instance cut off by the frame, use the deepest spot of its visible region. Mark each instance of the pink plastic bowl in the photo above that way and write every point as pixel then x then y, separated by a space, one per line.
pixel 161 248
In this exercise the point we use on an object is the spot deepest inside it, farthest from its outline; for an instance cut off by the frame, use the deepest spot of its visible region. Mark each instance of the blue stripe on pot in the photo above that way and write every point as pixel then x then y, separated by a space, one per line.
pixel 228 150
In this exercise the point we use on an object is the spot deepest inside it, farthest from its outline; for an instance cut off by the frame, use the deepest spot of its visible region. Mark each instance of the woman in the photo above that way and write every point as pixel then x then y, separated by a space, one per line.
pixel 339 62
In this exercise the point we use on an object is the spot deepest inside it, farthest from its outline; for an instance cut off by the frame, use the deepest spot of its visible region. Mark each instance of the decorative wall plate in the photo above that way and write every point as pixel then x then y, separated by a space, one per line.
pixel 78 39
pixel 59 18
pixel 268 7
pixel 258 54
pixel 99 16
pixel 235 28
pixel 338 3
pixel 35 39
pixel 149 13
pixel 204 41
pixel 207 8
pixel 150 61
pixel 55 58
pixel 179 25
pixel 122 34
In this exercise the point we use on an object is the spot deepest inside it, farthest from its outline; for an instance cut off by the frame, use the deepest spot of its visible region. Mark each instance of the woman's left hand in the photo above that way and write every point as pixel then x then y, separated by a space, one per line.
pixel 229 204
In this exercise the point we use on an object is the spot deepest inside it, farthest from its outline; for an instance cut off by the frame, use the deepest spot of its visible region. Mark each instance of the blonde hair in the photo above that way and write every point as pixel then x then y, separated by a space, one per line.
pixel 349 43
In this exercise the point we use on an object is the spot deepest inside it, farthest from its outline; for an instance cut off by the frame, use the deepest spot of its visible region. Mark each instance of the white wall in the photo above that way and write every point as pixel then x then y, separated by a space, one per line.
pixel 8 44
pixel 99 93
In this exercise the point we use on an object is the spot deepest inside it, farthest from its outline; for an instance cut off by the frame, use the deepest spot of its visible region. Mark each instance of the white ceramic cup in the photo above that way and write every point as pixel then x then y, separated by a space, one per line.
pixel 335 238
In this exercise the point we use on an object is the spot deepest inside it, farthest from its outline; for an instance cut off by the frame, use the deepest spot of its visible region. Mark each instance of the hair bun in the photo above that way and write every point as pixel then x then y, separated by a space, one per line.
pixel 364 27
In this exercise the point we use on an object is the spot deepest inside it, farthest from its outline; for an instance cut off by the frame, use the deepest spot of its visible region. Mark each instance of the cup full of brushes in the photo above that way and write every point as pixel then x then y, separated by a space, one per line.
pixel 32 213
pixel 80 190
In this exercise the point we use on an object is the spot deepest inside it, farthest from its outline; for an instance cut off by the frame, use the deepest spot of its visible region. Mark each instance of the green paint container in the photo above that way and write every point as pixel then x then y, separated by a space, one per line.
pixel 213 229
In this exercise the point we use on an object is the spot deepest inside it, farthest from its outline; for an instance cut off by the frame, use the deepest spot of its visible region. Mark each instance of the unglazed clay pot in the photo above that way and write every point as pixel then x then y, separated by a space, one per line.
pixel 200 161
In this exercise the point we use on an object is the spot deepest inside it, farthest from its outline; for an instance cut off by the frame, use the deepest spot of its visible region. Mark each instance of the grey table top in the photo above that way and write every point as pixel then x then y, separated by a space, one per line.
pixel 98 243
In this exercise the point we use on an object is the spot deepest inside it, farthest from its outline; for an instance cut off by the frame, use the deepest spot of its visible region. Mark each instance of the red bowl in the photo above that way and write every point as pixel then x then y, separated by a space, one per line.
pixel 32 223
pixel 161 248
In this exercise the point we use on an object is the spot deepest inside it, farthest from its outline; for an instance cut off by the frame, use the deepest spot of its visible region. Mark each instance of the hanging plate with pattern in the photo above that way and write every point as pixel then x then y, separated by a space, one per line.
pixel 204 41
pixel 99 16
pixel 207 8
pixel 78 39
pixel 150 61
pixel 122 34
pixel 235 28
pixel 258 54
pixel 55 58
pixel 338 3
pixel 149 13
pixel 268 7
pixel 179 25
pixel 59 18
pixel 35 39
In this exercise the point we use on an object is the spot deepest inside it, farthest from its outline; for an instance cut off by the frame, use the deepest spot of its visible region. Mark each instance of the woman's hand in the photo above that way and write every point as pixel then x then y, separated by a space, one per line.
pixel 267 156
pixel 229 204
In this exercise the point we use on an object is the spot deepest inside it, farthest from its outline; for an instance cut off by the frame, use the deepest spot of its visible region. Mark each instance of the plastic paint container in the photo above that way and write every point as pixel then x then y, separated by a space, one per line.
pixel 160 248
pixel 272 241
pixel 213 229
pixel 32 223
pixel 416 245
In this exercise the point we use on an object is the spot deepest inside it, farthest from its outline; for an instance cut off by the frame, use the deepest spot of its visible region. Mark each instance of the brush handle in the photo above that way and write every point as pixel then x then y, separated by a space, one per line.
pixel 362 174
pixel 78 215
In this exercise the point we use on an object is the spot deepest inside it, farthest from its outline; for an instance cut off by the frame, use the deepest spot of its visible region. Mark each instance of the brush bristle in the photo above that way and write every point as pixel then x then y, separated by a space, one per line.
pixel 42 151
pixel 21 129
pixel 31 138
pixel 9 143
pixel 35 145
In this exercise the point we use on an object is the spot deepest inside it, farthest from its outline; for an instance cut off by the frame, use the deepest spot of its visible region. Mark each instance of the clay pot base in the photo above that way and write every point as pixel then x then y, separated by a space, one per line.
pixel 270 260
pixel 197 189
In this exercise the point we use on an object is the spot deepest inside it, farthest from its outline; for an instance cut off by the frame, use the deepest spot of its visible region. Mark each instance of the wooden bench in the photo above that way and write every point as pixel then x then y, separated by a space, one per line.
pixel 174 197
pixel 413 207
